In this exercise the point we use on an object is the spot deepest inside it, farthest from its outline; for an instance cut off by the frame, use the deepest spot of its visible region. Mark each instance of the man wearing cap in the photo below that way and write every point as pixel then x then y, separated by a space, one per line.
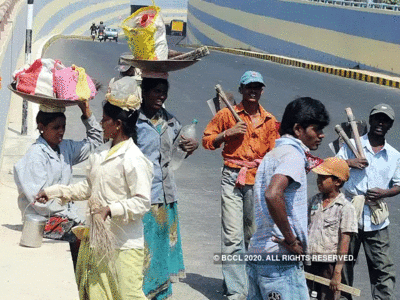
pixel 371 181
pixel 245 144
pixel 331 222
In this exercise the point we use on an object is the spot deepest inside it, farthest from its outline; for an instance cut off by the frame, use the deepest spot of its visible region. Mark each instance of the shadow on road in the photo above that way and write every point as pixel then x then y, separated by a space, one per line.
pixel 211 288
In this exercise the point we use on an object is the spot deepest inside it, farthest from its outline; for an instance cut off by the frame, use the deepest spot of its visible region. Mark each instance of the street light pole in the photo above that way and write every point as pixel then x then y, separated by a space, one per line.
pixel 28 51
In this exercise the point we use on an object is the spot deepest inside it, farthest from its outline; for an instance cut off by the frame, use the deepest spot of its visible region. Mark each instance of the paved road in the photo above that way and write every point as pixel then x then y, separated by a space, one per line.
pixel 198 178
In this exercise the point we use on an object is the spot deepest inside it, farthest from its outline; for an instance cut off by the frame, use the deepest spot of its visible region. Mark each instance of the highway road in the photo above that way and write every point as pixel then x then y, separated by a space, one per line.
pixel 198 179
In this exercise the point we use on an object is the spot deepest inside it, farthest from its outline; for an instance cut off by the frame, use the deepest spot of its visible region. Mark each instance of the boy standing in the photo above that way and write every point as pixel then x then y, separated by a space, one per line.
pixel 332 220
pixel 245 144
pixel 280 196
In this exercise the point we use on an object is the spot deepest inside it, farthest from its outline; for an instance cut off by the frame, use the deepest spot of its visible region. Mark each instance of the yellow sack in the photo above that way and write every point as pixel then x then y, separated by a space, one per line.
pixel 82 86
pixel 145 32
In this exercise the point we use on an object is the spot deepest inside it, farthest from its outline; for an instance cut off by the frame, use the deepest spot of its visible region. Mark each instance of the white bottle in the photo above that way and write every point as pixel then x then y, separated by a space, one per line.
pixel 314 295
pixel 178 155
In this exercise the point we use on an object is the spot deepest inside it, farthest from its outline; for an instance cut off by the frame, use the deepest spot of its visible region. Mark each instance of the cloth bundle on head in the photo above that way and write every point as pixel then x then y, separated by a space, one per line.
pixel 124 93
pixel 51 109
pixel 152 74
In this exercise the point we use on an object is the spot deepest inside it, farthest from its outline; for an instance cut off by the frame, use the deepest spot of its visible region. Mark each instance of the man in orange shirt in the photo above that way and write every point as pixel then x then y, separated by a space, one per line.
pixel 245 144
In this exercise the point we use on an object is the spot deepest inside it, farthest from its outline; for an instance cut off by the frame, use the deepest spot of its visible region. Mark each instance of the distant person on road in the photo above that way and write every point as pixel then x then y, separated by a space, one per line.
pixel 49 161
pixel 331 222
pixel 157 130
pixel 93 28
pixel 245 144
pixel 101 27
pixel 372 180
pixel 117 187
pixel 281 204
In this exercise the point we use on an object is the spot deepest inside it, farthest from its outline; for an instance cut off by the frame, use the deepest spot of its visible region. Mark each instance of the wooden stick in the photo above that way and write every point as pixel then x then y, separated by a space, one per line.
pixel 346 139
pixel 325 281
pixel 192 55
pixel 356 134
pixel 225 99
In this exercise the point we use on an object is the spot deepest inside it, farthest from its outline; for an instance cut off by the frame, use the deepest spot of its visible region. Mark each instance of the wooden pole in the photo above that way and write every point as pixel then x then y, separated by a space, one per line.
pixel 221 93
pixel 346 139
pixel 356 134
pixel 325 281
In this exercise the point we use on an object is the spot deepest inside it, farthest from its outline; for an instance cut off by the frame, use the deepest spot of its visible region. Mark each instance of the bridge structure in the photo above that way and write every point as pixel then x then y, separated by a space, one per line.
pixel 331 32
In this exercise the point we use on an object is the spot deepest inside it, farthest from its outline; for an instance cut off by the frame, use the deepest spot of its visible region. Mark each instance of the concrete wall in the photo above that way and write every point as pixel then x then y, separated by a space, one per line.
pixel 326 33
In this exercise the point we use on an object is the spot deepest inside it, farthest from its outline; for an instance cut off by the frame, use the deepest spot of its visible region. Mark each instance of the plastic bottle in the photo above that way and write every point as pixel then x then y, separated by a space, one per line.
pixel 314 295
pixel 178 155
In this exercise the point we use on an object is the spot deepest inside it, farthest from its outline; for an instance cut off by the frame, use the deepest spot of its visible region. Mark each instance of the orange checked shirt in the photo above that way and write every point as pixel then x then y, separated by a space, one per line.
pixel 254 144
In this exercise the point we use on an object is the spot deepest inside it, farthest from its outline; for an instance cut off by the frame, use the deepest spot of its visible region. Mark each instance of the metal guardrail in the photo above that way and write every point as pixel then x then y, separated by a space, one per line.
pixel 360 4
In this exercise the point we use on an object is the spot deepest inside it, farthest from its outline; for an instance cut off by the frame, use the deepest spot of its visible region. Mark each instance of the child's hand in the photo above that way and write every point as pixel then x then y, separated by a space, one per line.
pixel 335 281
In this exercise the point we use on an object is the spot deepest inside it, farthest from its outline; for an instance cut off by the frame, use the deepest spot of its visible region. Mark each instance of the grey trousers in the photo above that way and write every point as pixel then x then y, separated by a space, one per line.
pixel 380 264
pixel 237 208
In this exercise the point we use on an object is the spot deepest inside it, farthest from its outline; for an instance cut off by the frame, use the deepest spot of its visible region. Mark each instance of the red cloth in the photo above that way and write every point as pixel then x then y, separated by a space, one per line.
pixel 245 166
pixel 313 161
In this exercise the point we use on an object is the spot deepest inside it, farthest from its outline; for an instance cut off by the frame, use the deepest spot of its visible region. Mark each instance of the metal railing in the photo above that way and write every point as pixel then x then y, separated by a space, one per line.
pixel 386 6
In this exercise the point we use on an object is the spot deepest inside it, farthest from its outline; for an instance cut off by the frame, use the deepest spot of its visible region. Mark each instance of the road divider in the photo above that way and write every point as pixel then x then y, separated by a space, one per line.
pixel 357 74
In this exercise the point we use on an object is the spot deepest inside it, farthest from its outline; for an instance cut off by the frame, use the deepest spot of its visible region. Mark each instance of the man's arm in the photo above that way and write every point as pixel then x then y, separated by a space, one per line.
pixel 240 128
pixel 377 193
pixel 275 199
pixel 221 128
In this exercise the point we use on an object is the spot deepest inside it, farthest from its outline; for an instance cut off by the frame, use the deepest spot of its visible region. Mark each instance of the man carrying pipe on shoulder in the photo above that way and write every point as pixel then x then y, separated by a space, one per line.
pixel 245 144
pixel 372 179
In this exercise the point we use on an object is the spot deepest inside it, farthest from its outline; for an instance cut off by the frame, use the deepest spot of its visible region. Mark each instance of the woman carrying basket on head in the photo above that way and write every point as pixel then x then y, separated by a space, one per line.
pixel 49 161
pixel 157 131
pixel 118 185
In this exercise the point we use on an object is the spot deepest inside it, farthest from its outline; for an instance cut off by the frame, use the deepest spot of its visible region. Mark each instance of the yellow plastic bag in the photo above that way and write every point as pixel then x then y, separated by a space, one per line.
pixel 82 86
pixel 145 33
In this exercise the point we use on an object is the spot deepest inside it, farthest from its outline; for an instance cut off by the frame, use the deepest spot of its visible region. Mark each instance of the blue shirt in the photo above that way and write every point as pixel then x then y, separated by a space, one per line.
pixel 383 172
pixel 156 144
pixel 288 159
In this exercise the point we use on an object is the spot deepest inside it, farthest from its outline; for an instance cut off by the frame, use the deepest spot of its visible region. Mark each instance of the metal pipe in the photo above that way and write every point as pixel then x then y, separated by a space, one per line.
pixel 28 51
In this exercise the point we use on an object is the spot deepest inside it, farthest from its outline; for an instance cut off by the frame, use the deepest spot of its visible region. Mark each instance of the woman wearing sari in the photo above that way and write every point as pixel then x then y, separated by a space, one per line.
pixel 157 130
pixel 118 185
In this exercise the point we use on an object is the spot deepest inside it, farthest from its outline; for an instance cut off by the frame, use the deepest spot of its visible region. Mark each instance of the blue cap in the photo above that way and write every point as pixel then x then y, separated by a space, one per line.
pixel 251 76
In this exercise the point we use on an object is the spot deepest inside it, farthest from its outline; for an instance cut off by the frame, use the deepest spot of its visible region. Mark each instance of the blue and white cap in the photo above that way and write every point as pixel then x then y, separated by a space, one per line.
pixel 251 76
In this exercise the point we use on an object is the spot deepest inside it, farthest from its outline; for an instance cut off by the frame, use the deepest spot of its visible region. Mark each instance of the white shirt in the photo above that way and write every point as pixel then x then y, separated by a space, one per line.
pixel 121 181
pixel 383 172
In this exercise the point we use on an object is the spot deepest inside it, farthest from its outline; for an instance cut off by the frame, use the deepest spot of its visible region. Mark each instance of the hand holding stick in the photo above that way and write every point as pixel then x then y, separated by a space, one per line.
pixel 221 93
pixel 354 127
pixel 346 139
